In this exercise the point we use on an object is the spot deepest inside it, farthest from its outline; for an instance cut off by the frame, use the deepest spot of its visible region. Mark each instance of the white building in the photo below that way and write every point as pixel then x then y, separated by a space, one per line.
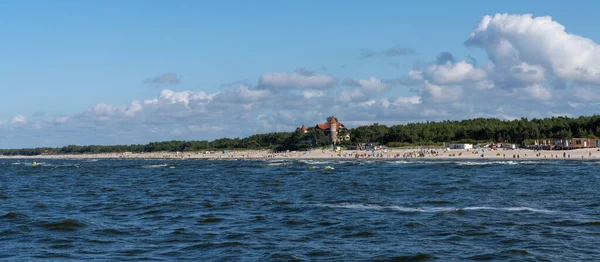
pixel 460 146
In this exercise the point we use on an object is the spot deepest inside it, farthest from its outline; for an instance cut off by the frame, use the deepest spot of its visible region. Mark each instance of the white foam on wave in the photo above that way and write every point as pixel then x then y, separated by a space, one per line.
pixel 483 162
pixel 155 166
pixel 433 209
pixel 313 162
pixel 473 163
pixel 372 207
pixel 512 209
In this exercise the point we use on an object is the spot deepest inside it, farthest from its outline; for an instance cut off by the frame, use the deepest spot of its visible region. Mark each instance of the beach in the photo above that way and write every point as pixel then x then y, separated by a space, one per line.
pixel 391 153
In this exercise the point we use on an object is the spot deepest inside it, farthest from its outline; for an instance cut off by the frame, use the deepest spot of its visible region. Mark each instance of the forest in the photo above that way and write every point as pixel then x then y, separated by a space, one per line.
pixel 519 131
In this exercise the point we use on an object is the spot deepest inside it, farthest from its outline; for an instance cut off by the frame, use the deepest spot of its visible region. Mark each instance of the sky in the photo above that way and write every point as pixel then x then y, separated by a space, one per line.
pixel 130 72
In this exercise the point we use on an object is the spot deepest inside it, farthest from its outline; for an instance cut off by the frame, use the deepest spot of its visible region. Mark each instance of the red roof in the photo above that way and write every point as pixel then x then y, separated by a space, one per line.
pixel 323 126
pixel 327 125
pixel 332 120
pixel 303 128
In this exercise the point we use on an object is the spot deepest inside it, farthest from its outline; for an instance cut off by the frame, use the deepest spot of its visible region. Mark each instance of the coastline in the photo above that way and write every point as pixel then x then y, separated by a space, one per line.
pixel 458 154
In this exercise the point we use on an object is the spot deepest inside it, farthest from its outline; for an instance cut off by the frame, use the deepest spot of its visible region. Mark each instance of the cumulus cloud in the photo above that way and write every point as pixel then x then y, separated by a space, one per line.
pixel 362 89
pixel 242 95
pixel 301 79
pixel 455 73
pixel 538 92
pixel 105 111
pixel 440 94
pixel 371 84
pixel 168 78
pixel 19 120
pixel 541 42
pixel 312 93
pixel 184 97
pixel 534 64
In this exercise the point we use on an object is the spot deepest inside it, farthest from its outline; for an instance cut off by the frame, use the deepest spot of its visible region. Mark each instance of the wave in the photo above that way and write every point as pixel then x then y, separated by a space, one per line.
pixel 155 166
pixel 474 163
pixel 434 209
pixel 313 162
pixel 44 164
pixel 416 257
pixel 13 215
pixel 64 225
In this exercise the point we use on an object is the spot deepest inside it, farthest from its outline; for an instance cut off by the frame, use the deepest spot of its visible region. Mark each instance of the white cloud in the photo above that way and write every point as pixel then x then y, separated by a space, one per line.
pixel 104 111
pixel 19 120
pixel 586 94
pixel 363 89
pixel 510 40
pixel 413 77
pixel 242 95
pixel 409 100
pixel 538 92
pixel 373 85
pixel 299 79
pixel 312 93
pixel 439 94
pixel 205 128
pixel 61 119
pixel 353 94
pixel 171 97
pixel 526 73
pixel 454 73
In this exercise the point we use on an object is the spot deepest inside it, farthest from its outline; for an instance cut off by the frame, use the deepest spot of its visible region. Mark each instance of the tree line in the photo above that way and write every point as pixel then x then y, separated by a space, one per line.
pixel 517 131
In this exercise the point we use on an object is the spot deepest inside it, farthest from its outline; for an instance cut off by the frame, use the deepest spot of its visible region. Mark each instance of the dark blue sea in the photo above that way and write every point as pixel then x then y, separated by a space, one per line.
pixel 299 210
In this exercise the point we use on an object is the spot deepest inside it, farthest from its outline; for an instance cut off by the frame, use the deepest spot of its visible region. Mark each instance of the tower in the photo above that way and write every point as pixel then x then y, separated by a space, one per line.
pixel 333 130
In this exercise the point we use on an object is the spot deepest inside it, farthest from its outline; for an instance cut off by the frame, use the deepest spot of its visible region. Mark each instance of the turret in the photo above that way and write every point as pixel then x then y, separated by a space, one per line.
pixel 333 130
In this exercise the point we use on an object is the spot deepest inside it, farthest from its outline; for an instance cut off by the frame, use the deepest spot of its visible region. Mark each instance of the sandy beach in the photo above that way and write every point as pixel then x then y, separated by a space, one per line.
pixel 501 154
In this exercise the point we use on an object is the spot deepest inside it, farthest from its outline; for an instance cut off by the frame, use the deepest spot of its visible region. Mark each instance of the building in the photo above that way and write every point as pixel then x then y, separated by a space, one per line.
pixel 460 146
pixel 336 132
pixel 562 143
pixel 583 142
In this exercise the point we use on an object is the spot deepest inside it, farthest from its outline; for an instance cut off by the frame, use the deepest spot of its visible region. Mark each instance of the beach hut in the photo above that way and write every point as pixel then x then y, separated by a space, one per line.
pixel 460 146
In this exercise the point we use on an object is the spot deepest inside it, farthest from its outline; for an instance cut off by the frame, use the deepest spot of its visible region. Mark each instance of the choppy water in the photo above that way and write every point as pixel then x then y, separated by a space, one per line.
pixel 281 210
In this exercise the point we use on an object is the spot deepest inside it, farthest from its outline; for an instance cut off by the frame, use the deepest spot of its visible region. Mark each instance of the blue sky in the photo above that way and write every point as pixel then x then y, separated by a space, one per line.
pixel 89 72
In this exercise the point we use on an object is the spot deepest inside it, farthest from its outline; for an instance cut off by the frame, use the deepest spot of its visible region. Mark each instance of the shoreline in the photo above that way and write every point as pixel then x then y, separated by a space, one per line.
pixel 458 154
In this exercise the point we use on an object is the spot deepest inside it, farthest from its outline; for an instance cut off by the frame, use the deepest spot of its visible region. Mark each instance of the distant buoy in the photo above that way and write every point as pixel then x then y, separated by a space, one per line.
pixel 34 163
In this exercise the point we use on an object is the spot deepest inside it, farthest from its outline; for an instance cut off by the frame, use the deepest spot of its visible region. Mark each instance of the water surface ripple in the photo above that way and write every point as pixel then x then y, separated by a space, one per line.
pixel 282 210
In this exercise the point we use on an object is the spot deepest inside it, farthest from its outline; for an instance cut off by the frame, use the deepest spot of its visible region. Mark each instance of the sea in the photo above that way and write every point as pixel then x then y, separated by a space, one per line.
pixel 299 210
